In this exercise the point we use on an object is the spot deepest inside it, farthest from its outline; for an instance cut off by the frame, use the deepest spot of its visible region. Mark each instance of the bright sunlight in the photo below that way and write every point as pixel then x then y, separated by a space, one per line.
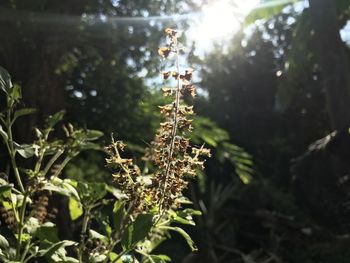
pixel 219 20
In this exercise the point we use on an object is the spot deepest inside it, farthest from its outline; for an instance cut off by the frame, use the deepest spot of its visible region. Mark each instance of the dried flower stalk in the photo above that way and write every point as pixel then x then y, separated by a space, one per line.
pixel 170 151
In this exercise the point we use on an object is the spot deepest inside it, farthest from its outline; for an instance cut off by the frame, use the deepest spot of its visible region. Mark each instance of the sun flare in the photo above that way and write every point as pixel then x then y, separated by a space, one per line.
pixel 219 20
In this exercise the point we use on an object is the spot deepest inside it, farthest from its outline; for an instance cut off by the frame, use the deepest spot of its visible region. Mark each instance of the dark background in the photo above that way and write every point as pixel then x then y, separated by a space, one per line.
pixel 274 108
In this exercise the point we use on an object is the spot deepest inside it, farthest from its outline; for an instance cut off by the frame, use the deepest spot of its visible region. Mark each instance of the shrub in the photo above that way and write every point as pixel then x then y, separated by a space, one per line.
pixel 124 222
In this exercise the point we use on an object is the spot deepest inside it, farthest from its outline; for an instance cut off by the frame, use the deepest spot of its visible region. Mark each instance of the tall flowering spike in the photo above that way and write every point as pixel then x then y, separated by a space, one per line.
pixel 175 159
pixel 171 151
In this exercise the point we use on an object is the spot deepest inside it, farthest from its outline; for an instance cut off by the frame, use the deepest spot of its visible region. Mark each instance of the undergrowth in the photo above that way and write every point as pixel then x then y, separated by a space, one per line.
pixel 123 222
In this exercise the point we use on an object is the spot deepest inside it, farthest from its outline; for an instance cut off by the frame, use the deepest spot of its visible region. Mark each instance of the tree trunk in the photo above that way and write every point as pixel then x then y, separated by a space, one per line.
pixel 332 59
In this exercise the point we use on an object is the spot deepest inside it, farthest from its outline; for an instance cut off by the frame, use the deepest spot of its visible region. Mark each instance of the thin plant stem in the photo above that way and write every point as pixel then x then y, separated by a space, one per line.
pixel 123 253
pixel 173 132
pixel 122 229
pixel 29 245
pixel 62 165
pixel 125 169
pixel 145 255
pixel 12 152
pixel 52 161
pixel 21 225
pixel 83 234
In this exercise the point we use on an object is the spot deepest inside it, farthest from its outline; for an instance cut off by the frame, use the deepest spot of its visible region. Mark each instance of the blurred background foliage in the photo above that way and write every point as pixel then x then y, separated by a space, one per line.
pixel 273 106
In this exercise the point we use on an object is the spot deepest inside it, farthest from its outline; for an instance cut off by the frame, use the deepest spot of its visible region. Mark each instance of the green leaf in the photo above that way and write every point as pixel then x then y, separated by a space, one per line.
pixel 15 93
pixel 7 205
pixel 95 258
pixel 181 220
pixel 31 225
pixel 52 120
pixel 25 237
pixel 95 235
pixel 190 211
pixel 209 140
pixel 91 192
pixel 92 135
pixel 5 190
pixel 138 230
pixel 70 260
pixel 125 258
pixel 243 162
pixel 89 146
pixel 25 150
pixel 205 130
pixel 118 214
pixel 5 80
pixel 57 188
pixel 3 134
pixel 185 216
pixel 63 187
pixel 54 247
pixel 267 9
pixel 47 231
pixel 159 258
pixel 75 208
pixel 112 256
pixel 184 200
pixel 23 112
pixel 116 192
pixel 4 244
pixel 184 234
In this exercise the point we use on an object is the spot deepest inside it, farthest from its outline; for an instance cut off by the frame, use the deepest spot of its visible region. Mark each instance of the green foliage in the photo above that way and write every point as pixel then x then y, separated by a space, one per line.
pixel 206 131
pixel 267 91
pixel 91 193
pixel 137 231
pixel 115 225
pixel 118 214
pixel 91 68
pixel 267 9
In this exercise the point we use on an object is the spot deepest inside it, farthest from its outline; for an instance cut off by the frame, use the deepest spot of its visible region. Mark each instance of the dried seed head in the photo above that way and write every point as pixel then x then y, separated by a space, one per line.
pixel 164 51
pixel 188 90
pixel 170 150
pixel 167 91
pixel 166 74
pixel 170 32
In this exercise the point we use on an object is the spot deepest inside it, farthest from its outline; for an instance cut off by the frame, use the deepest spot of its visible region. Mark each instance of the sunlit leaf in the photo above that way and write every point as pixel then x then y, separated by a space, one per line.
pixel 159 259
pixel 267 9
pixel 54 247
pixel 31 225
pixel 75 208
pixel 63 187
pixel 95 235
pixel 95 258
pixel 112 256
pixel 184 234
pixel 25 150
pixel 5 190
pixel 3 134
